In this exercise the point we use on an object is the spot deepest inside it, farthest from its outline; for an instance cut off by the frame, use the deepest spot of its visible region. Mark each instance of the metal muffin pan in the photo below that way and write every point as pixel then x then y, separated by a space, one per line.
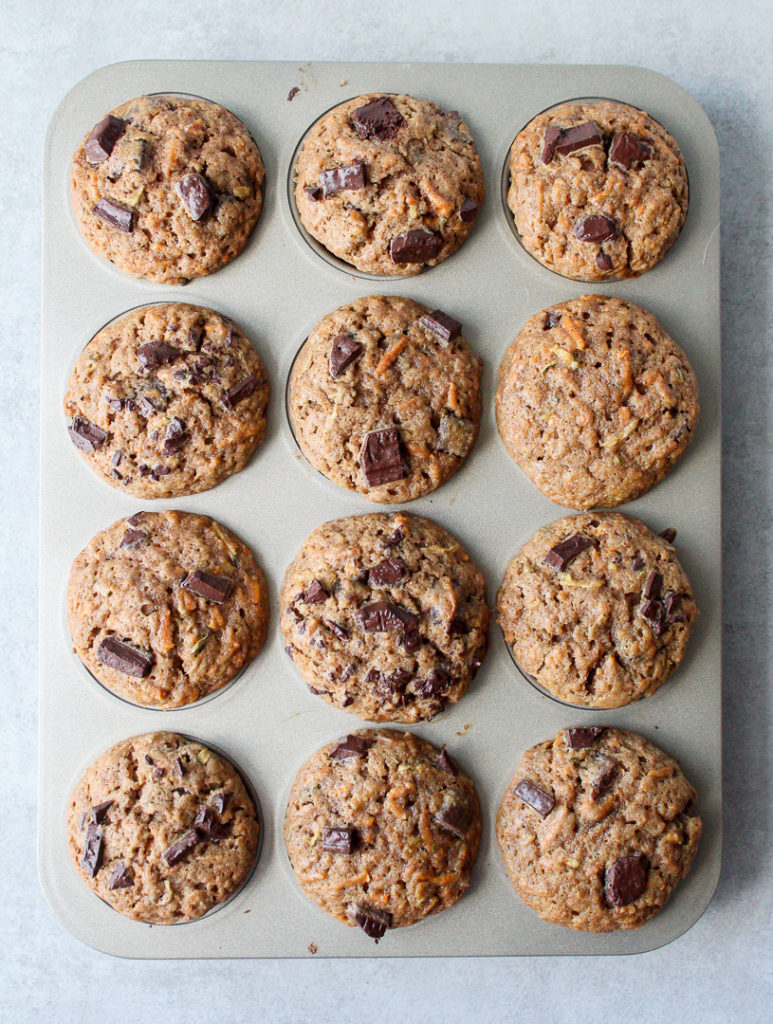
pixel 276 290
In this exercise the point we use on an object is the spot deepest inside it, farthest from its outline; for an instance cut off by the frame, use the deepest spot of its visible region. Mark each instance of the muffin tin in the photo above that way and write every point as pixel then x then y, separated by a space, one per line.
pixel 276 290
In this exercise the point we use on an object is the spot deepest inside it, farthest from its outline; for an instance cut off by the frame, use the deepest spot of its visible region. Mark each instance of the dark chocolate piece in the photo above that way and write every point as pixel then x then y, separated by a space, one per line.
pixel 583 736
pixel 628 149
pixel 133 539
pixel 446 763
pixel 469 211
pixel 98 812
pixel 208 824
pixel 85 435
pixel 669 535
pixel 637 564
pixel 549 140
pixel 625 880
pixel 115 214
pixel 338 838
pixel 155 354
pixel 436 684
pixel 337 631
pixel 177 851
pixel 391 570
pixel 454 817
pixel 653 586
pixel 604 773
pixel 373 922
pixel 121 877
pixel 653 612
pixel 540 801
pixel 578 136
pixel 393 539
pixel 243 389
pixel 344 351
pixel 415 246
pixel 381 461
pixel 315 593
pixel 148 759
pixel 207 585
pixel 562 554
pixel 195 195
pixel 220 801
pixel 124 657
pixel 385 617
pixel 604 260
pixel 671 604
pixel 314 192
pixel 179 767
pixel 551 320
pixel 158 774
pixel 351 746
pixel 343 179
pixel 102 138
pixel 596 228
pixel 380 119
pixel 176 436
pixel 92 850
pixel 442 325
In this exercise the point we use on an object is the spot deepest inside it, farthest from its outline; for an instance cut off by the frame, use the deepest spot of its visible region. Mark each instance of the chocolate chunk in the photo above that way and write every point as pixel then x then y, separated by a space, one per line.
pixel 583 736
pixel 176 436
pixel 315 593
pixel 177 851
pixel 436 684
pixel 671 605
pixel 549 140
pixel 351 746
pixel 540 801
pixel 604 769
pixel 343 179
pixel 669 535
pixel 393 539
pixel 314 192
pixel 207 585
pixel 653 612
pixel 220 801
pixel 637 564
pixel 391 570
pixel 98 812
pixel 338 838
pixel 337 631
pixel 604 260
pixel 344 351
pixel 385 617
pixel 381 461
pixel 115 214
pixel 195 195
pixel 292 93
pixel 446 763
pixel 179 767
pixel 469 211
pixel 92 850
pixel 454 817
pixel 85 435
pixel 116 459
pixel 133 539
pixel 121 877
pixel 380 119
pixel 391 685
pixel 208 824
pixel 550 320
pixel 625 880
pixel 146 406
pixel 243 389
pixel 116 404
pixel 102 138
pixel 148 759
pixel 442 325
pixel 415 246
pixel 158 774
pixel 373 922
pixel 628 149
pixel 155 354
pixel 653 586
pixel 562 554
pixel 455 435
pixel 595 228
pixel 124 657
pixel 578 136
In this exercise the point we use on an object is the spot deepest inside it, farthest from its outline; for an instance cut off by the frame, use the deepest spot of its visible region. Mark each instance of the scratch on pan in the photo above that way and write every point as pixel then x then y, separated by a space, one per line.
pixel 706 250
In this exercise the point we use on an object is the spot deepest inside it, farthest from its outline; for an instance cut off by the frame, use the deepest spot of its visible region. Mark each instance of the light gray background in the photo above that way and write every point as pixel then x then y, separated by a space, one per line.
pixel 721 969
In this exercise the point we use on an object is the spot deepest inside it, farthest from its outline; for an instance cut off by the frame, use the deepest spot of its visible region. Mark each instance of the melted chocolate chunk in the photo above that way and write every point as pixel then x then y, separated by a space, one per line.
pixel 124 657
pixel 454 817
pixel 314 593
pixel 415 246
pixel 337 631
pixel 102 139
pixel 436 684
pixel 583 736
pixel 179 767
pixel 392 685
pixel 381 461
pixel 540 801
pixel 393 539
pixel 562 554
pixel 176 436
pixel 550 320
pixel 653 612
pixel 338 838
pixel 155 354
pixel 637 564
pixel 207 585
pixel 85 435
pixel 98 812
pixel 595 228
pixel 92 850
pixel 208 824
pixel 625 880
pixel 220 801
pixel 578 136
pixel 177 851
pixel 653 586
pixel 121 877
pixel 351 746
pixel 669 535
pixel 373 922
pixel 385 617
pixel 604 769
pixel 116 215
pixel 195 195
pixel 380 119
pixel 604 260
pixel 243 389
pixel 391 570
pixel 628 149
pixel 446 763
pixel 343 179
pixel 549 140
pixel 344 351
pixel 671 605
pixel 469 211
pixel 442 325
pixel 314 192
pixel 133 539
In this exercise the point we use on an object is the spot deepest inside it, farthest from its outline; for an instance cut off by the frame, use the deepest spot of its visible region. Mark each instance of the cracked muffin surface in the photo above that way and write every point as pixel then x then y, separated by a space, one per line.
pixel 168 400
pixel 165 608
pixel 385 616
pixel 597 829
pixel 384 398
pixel 167 188
pixel 595 401
pixel 162 828
pixel 382 829
pixel 598 190
pixel 597 609
pixel 389 183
